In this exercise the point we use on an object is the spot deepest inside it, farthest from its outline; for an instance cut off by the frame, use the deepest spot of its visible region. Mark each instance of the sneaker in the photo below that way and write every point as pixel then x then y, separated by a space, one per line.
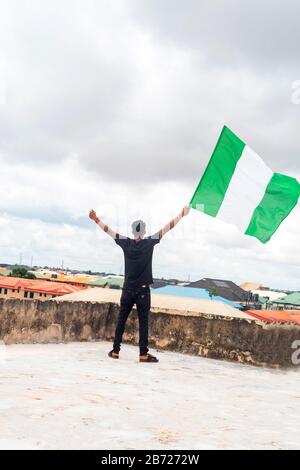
pixel 113 354
pixel 148 358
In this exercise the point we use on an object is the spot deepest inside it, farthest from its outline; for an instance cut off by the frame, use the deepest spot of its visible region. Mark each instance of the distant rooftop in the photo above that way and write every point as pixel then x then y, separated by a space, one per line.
pixel 192 292
pixel 291 299
pixel 182 305
pixel 108 281
pixel 272 295
pixel 224 288
pixel 250 286
pixel 35 285
pixel 282 316
pixel 57 276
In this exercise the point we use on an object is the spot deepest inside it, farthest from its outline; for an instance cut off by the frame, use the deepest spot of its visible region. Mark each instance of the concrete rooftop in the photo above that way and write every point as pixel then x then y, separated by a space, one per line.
pixel 72 396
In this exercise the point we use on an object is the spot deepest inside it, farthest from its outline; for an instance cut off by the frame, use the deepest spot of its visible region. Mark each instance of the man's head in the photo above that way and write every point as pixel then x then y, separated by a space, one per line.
pixel 138 228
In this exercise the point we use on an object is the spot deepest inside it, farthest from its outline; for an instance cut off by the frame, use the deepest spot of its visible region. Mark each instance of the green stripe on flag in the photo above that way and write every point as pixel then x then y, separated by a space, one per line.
pixel 213 185
pixel 280 198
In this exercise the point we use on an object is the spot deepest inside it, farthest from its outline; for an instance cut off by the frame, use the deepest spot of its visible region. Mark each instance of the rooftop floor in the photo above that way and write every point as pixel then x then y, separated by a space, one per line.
pixel 72 396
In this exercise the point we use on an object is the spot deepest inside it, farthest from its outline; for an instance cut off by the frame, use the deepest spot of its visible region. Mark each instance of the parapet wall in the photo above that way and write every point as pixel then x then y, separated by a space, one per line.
pixel 236 339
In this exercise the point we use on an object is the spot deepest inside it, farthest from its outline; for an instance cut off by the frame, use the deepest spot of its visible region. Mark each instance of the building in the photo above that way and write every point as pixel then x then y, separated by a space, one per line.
pixel 195 293
pixel 14 287
pixel 278 316
pixel 157 283
pixel 223 288
pixel 251 286
pixel 59 276
pixel 289 302
pixel 110 281
pixel 269 294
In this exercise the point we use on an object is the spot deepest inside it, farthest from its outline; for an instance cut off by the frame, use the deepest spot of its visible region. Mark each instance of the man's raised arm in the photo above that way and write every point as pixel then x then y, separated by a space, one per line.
pixel 174 221
pixel 103 226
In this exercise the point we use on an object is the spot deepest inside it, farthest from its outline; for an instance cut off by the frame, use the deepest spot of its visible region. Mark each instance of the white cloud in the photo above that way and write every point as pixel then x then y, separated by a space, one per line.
pixel 113 105
pixel 44 215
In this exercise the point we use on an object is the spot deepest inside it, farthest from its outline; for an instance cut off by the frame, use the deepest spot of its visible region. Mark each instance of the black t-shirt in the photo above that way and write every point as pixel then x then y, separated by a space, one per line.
pixel 138 259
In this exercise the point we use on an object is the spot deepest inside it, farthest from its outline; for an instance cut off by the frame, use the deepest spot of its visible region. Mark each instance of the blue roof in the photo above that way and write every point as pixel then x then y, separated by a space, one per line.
pixel 192 292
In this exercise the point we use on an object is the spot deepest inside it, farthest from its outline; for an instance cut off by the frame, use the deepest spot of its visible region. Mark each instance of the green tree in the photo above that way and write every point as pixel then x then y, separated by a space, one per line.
pixel 212 292
pixel 19 271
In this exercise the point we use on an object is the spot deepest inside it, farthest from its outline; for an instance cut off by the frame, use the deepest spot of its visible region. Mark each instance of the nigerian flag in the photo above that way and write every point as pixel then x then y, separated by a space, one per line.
pixel 239 188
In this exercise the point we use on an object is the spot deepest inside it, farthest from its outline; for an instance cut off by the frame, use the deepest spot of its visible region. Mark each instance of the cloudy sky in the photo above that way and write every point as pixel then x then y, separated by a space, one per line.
pixel 117 105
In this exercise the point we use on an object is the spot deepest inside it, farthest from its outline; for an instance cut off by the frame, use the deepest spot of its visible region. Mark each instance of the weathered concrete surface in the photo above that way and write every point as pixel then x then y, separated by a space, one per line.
pixel 237 339
pixel 72 396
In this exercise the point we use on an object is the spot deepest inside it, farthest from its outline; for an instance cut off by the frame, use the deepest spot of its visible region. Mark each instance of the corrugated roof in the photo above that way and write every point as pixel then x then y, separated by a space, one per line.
pixel 272 295
pixel 108 281
pixel 192 292
pixel 59 277
pixel 159 303
pixel 290 316
pixel 225 288
pixel 34 285
pixel 292 299
pixel 157 283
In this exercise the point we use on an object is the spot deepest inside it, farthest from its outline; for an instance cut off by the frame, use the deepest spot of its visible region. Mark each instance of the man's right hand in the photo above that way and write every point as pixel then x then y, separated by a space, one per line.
pixel 93 215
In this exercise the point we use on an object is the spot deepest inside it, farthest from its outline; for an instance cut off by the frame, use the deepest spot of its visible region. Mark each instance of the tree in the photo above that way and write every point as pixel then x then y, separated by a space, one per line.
pixel 21 272
pixel 212 292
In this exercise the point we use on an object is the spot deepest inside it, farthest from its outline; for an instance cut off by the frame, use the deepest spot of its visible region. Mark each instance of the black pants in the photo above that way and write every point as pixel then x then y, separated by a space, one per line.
pixel 142 299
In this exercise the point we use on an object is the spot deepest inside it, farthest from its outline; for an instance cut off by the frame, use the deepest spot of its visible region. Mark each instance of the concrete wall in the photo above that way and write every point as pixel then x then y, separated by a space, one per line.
pixel 245 341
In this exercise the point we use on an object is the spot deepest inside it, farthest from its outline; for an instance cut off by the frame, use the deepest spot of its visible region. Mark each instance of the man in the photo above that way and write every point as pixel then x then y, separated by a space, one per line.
pixel 138 277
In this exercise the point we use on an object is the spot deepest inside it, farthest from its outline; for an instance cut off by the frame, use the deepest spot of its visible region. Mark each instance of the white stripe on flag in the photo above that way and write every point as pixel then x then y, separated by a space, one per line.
pixel 246 189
